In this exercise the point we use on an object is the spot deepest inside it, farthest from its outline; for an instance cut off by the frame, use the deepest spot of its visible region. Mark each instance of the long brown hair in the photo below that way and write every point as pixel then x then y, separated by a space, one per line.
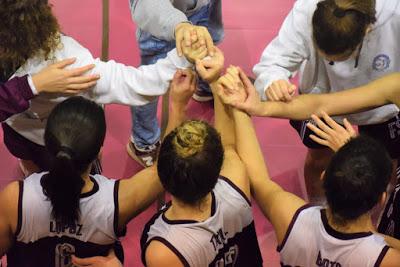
pixel 339 26
pixel 27 28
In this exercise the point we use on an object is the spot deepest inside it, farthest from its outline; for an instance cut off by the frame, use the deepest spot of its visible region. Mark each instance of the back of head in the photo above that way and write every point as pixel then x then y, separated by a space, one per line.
pixel 339 26
pixel 356 178
pixel 74 135
pixel 190 161
pixel 27 28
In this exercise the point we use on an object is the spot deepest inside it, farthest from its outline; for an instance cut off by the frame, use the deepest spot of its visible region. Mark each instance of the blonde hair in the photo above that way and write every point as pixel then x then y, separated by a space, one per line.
pixel 189 138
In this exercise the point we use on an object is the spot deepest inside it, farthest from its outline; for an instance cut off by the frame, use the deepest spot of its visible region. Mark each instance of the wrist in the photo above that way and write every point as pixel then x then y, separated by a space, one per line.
pixel 36 84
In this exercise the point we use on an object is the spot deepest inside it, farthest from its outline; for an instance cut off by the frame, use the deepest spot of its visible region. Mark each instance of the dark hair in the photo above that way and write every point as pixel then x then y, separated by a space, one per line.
pixel 356 178
pixel 27 28
pixel 339 26
pixel 74 135
pixel 190 161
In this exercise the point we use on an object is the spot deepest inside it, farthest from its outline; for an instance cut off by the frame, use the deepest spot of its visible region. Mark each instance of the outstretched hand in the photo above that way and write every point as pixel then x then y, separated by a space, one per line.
pixel 330 133
pixel 250 104
pixel 230 87
pixel 182 87
pixel 196 51
pixel 187 34
pixel 210 68
pixel 56 79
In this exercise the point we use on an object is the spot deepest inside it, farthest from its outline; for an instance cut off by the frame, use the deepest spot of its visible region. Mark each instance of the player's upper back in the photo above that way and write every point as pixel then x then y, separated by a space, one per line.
pixel 311 241
pixel 227 237
pixel 43 241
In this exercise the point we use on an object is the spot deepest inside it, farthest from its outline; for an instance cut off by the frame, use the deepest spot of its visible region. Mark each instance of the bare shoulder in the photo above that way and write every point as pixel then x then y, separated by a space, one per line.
pixel 158 254
pixel 9 194
pixel 391 259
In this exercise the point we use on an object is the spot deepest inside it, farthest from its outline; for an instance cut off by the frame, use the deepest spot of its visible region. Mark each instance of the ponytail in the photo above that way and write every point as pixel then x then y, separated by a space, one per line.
pixel 74 135
pixel 63 186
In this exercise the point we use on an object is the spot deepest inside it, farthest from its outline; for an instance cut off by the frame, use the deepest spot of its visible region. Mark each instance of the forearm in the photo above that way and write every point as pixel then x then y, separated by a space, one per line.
pixel 158 17
pixel 177 115
pixel 374 94
pixel 14 97
pixel 223 121
pixel 136 86
pixel 138 193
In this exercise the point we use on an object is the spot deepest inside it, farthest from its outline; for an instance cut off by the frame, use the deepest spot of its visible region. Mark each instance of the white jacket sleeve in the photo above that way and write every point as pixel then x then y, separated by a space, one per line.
pixel 128 85
pixel 285 54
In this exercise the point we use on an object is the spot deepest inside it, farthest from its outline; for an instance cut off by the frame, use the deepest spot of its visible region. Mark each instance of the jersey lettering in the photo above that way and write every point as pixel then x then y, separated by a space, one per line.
pixel 60 228
pixel 229 258
pixel 219 239
pixel 325 262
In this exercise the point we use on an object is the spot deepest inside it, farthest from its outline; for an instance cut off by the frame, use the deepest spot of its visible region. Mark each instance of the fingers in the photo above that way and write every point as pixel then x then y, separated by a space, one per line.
pixel 322 125
pixel 201 70
pixel 319 140
pixel 187 39
pixel 77 88
pixel 84 262
pixel 63 63
pixel 330 122
pixel 82 79
pixel 317 131
pixel 81 70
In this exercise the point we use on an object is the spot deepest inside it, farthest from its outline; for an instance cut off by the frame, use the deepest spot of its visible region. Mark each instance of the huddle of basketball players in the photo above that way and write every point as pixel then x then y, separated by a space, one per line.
pixel 65 213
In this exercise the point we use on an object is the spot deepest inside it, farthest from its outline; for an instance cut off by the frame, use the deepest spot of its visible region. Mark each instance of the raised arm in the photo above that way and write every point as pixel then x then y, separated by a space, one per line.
pixel 383 91
pixel 139 191
pixel 285 54
pixel 267 193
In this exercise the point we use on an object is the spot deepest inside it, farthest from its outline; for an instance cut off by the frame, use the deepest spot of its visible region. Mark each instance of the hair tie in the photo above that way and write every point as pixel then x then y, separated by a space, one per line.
pixel 339 12
pixel 67 151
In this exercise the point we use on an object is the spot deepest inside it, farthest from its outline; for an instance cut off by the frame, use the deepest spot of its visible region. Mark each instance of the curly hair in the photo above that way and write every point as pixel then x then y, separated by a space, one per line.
pixel 27 28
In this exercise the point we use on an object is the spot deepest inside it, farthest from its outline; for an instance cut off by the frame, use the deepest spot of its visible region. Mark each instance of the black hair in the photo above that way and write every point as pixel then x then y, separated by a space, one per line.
pixel 74 135
pixel 190 161
pixel 339 26
pixel 356 178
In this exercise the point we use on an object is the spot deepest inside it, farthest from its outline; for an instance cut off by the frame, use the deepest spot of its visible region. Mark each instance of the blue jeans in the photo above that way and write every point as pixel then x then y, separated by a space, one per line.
pixel 145 129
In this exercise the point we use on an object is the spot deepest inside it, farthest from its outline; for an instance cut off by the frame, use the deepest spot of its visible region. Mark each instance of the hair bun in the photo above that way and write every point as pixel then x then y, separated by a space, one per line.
pixel 339 12
pixel 189 138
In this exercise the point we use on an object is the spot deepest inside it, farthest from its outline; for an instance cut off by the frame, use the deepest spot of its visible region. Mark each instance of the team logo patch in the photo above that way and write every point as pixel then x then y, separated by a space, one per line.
pixel 381 62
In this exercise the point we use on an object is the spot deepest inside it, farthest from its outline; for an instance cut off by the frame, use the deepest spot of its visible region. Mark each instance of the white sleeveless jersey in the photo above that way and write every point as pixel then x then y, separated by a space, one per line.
pixel 310 241
pixel 42 241
pixel 227 238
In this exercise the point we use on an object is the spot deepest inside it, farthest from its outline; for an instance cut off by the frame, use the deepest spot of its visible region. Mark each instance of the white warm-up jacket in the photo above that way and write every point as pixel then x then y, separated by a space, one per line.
pixel 118 84
pixel 293 50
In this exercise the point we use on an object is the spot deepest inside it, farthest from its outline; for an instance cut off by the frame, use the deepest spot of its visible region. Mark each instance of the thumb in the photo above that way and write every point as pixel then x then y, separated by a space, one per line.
pixel 200 68
pixel 292 89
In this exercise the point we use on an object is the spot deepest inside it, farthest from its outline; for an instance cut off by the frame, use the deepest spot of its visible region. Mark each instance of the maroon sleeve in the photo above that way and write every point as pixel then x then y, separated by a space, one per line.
pixel 14 97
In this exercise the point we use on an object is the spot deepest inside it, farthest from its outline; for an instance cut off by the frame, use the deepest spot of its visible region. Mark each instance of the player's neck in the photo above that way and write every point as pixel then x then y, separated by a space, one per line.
pixel 361 224
pixel 182 211
pixel 88 183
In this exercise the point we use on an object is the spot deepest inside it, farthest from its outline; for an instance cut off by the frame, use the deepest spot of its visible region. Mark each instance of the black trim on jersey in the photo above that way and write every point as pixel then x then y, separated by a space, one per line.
pixel 381 256
pixel 146 230
pixel 213 209
pixel 94 190
pixel 172 248
pixel 236 189
pixel 116 212
pixel 20 200
pixel 290 227
pixel 339 235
